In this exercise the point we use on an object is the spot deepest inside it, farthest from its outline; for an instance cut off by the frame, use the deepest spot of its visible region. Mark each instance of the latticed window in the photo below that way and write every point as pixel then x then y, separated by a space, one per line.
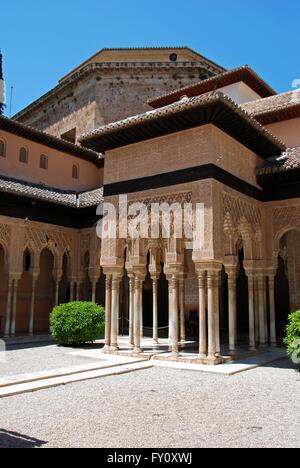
pixel 44 162
pixel 23 155
pixel 2 149
pixel 75 172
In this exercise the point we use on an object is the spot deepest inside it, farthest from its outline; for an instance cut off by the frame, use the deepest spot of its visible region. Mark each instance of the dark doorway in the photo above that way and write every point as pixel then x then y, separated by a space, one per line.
pixel 282 297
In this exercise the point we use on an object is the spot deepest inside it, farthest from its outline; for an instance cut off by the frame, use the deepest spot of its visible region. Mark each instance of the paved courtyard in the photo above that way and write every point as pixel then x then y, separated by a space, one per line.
pixel 160 407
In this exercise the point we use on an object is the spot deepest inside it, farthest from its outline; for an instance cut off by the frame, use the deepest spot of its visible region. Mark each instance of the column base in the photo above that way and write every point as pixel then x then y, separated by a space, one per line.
pixel 137 351
pixel 175 355
pixel 155 342
pixel 252 348
pixel 202 356
pixel 106 349
pixel 113 349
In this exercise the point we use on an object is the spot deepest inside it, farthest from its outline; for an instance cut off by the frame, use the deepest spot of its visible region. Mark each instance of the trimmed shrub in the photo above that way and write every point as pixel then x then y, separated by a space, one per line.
pixel 77 323
pixel 292 337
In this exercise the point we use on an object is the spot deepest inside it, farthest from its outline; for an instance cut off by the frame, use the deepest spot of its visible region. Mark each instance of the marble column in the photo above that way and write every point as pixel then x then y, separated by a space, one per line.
pixel 272 310
pixel 72 289
pixel 131 311
pixel 8 308
pixel 217 313
pixel 251 310
pixel 107 313
pixel 32 305
pixel 202 315
pixel 170 309
pixel 155 311
pixel 78 287
pixel 137 315
pixel 14 307
pixel 232 279
pixel 212 291
pixel 266 310
pixel 261 305
pixel 256 301
pixel 94 290
pixel 57 282
pixel 115 305
pixel 182 310
pixel 174 316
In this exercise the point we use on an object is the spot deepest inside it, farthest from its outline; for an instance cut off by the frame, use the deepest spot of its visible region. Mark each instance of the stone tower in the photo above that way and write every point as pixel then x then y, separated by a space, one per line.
pixel 112 85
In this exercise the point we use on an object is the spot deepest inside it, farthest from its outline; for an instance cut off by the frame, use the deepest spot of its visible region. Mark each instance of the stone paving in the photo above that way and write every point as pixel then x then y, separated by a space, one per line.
pixel 161 407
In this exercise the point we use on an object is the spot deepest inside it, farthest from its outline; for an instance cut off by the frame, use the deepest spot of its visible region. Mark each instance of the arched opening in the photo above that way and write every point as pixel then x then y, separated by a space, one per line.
pixel 163 301
pixel 242 300
pixel 287 280
pixel 3 288
pixel 64 286
pixel 148 301
pixel 45 290
pixel 24 295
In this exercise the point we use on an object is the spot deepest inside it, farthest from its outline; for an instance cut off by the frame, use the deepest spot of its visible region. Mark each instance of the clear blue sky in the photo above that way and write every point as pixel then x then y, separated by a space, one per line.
pixel 44 39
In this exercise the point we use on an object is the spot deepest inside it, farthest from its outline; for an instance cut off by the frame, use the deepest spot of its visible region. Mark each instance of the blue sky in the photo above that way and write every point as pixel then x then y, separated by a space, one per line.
pixel 42 40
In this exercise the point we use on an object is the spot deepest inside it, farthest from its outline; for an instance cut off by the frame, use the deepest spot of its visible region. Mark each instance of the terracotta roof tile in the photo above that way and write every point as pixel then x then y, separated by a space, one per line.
pixel 50 195
pixel 244 73
pixel 289 160
pixel 275 108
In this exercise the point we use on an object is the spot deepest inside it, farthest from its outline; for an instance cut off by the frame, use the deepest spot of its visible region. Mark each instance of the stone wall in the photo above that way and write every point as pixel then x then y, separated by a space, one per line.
pixel 107 93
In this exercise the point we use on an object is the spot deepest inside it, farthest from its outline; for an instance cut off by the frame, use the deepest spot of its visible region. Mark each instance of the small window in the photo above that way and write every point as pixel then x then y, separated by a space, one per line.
pixel 43 162
pixel 23 155
pixel 2 149
pixel 75 172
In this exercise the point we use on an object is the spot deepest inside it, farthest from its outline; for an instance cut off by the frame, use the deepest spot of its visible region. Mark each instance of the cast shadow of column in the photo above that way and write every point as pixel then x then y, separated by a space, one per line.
pixel 9 439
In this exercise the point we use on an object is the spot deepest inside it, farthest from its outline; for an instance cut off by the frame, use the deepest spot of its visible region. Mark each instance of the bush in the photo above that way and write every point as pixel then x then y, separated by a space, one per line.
pixel 292 338
pixel 77 323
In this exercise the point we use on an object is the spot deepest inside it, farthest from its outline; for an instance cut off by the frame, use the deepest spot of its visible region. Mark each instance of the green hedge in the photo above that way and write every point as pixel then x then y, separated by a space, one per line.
pixel 77 323
pixel 292 337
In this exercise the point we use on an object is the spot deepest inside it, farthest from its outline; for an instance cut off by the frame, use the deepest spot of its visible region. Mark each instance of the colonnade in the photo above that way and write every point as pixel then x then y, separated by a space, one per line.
pixel 261 306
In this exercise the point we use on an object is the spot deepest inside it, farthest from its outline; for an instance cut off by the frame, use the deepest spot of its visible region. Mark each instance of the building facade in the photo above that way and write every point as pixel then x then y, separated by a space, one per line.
pixel 228 143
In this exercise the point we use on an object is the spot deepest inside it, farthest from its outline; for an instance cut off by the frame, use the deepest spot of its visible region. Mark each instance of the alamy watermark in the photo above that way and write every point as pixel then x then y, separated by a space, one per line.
pixel 138 220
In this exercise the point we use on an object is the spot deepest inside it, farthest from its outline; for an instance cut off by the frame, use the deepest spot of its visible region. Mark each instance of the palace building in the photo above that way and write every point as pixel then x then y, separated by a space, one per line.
pixel 161 126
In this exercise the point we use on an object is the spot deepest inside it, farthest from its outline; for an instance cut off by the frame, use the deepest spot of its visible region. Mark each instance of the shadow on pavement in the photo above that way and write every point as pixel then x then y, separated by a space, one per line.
pixel 10 439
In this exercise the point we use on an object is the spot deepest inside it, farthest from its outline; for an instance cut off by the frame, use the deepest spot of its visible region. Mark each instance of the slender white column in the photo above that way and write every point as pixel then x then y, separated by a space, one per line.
pixel 114 312
pixel 211 295
pixel 202 315
pixel 256 300
pixel 266 310
pixel 170 310
pixel 272 310
pixel 251 311
pixel 141 312
pixel 137 316
pixel 32 306
pixel 155 313
pixel 72 288
pixel 260 282
pixel 14 307
pixel 8 308
pixel 78 287
pixel 174 316
pixel 57 282
pixel 217 313
pixel 131 311
pixel 232 277
pixel 107 313
pixel 94 290
pixel 182 311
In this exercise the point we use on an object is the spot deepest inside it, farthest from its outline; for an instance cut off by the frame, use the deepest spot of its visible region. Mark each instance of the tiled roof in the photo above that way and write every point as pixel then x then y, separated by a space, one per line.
pixel 289 160
pixel 244 73
pixel 175 117
pixel 275 108
pixel 51 195
pixel 51 141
